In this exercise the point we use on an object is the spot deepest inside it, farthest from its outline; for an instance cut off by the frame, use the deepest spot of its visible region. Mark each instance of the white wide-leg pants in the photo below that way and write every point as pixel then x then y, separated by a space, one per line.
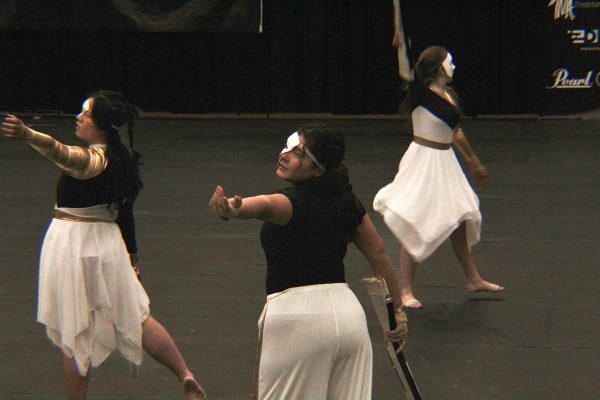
pixel 314 344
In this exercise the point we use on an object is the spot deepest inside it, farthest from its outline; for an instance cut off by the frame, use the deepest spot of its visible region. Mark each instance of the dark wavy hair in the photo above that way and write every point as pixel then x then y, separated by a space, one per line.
pixel 429 63
pixel 112 113
pixel 328 147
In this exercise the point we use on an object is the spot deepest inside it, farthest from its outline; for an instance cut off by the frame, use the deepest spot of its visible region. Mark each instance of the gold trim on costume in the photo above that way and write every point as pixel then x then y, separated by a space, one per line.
pixel 431 144
pixel 58 214
pixel 75 161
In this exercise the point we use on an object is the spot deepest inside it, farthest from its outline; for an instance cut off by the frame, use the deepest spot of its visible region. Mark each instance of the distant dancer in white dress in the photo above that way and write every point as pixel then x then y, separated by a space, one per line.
pixel 430 197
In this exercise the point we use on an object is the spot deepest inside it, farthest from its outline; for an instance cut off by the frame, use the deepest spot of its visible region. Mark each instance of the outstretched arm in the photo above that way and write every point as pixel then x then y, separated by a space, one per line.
pixel 78 162
pixel 274 208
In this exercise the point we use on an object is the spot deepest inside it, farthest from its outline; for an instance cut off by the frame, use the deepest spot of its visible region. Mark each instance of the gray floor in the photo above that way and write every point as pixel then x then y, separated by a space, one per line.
pixel 537 340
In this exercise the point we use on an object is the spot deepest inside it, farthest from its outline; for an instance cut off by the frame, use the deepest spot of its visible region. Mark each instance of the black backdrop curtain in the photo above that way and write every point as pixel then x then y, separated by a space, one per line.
pixel 314 56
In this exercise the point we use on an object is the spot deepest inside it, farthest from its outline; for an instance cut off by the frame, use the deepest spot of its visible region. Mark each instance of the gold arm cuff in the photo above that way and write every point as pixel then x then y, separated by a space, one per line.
pixel 78 162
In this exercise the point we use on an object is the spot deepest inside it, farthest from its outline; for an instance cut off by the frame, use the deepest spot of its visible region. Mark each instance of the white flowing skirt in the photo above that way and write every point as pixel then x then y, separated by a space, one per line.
pixel 428 199
pixel 314 344
pixel 89 296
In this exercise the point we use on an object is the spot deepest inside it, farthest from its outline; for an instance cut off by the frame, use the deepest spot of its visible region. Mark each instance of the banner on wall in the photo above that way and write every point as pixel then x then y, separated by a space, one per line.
pixel 572 56
pixel 242 16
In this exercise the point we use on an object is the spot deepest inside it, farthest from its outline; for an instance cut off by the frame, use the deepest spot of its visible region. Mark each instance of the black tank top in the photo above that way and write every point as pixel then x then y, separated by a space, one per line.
pixel 83 193
pixel 309 250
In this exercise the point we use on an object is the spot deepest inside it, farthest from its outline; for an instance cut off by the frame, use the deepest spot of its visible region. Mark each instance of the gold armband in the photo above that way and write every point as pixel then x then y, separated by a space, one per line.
pixel 78 162
pixel 234 210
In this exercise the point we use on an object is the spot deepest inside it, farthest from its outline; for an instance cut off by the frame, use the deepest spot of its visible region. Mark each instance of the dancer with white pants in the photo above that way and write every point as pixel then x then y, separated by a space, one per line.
pixel 313 337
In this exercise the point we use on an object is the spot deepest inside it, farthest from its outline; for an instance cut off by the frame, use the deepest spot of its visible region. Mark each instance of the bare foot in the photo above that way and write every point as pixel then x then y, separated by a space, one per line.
pixel 192 389
pixel 411 302
pixel 482 285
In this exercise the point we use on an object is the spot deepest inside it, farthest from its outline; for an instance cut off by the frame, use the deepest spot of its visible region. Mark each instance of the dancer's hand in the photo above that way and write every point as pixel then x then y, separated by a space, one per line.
pixel 222 206
pixel 399 334
pixel 14 128
pixel 479 173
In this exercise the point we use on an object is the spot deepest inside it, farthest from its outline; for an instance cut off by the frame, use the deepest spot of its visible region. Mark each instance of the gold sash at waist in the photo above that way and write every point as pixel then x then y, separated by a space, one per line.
pixel 431 144
pixel 58 214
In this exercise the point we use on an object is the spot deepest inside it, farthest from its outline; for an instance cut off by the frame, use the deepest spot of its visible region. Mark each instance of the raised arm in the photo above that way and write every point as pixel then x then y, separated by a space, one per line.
pixel 274 208
pixel 75 161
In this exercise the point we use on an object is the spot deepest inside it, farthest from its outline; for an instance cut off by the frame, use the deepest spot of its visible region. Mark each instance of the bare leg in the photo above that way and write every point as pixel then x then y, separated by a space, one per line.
pixel 408 272
pixel 474 282
pixel 76 384
pixel 160 345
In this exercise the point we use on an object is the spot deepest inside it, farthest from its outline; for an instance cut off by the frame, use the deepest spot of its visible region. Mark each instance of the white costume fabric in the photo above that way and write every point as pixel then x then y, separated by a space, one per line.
pixel 430 195
pixel 314 345
pixel 89 296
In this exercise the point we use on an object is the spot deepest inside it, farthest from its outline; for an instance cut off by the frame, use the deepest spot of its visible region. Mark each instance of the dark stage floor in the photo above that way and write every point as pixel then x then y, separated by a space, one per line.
pixel 540 339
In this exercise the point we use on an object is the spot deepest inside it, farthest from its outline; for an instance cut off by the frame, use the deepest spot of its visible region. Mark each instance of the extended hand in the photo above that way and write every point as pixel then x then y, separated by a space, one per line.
pixel 13 127
pixel 222 206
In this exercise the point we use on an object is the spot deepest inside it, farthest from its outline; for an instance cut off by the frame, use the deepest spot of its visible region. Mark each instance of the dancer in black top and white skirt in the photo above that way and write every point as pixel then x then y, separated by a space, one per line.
pixel 430 197
pixel 89 296
pixel 314 342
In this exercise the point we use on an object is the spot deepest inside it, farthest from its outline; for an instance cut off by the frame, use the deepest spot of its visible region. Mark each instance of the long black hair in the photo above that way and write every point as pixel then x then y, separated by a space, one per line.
pixel 329 148
pixel 112 113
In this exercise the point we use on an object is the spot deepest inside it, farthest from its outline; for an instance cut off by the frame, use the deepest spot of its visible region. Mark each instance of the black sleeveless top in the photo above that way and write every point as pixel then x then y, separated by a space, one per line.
pixel 82 193
pixel 309 250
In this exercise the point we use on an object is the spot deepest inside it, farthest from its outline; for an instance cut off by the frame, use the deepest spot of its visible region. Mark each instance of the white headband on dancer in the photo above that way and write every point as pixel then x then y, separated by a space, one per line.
pixel 86 110
pixel 448 65
pixel 293 141
pixel 85 107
